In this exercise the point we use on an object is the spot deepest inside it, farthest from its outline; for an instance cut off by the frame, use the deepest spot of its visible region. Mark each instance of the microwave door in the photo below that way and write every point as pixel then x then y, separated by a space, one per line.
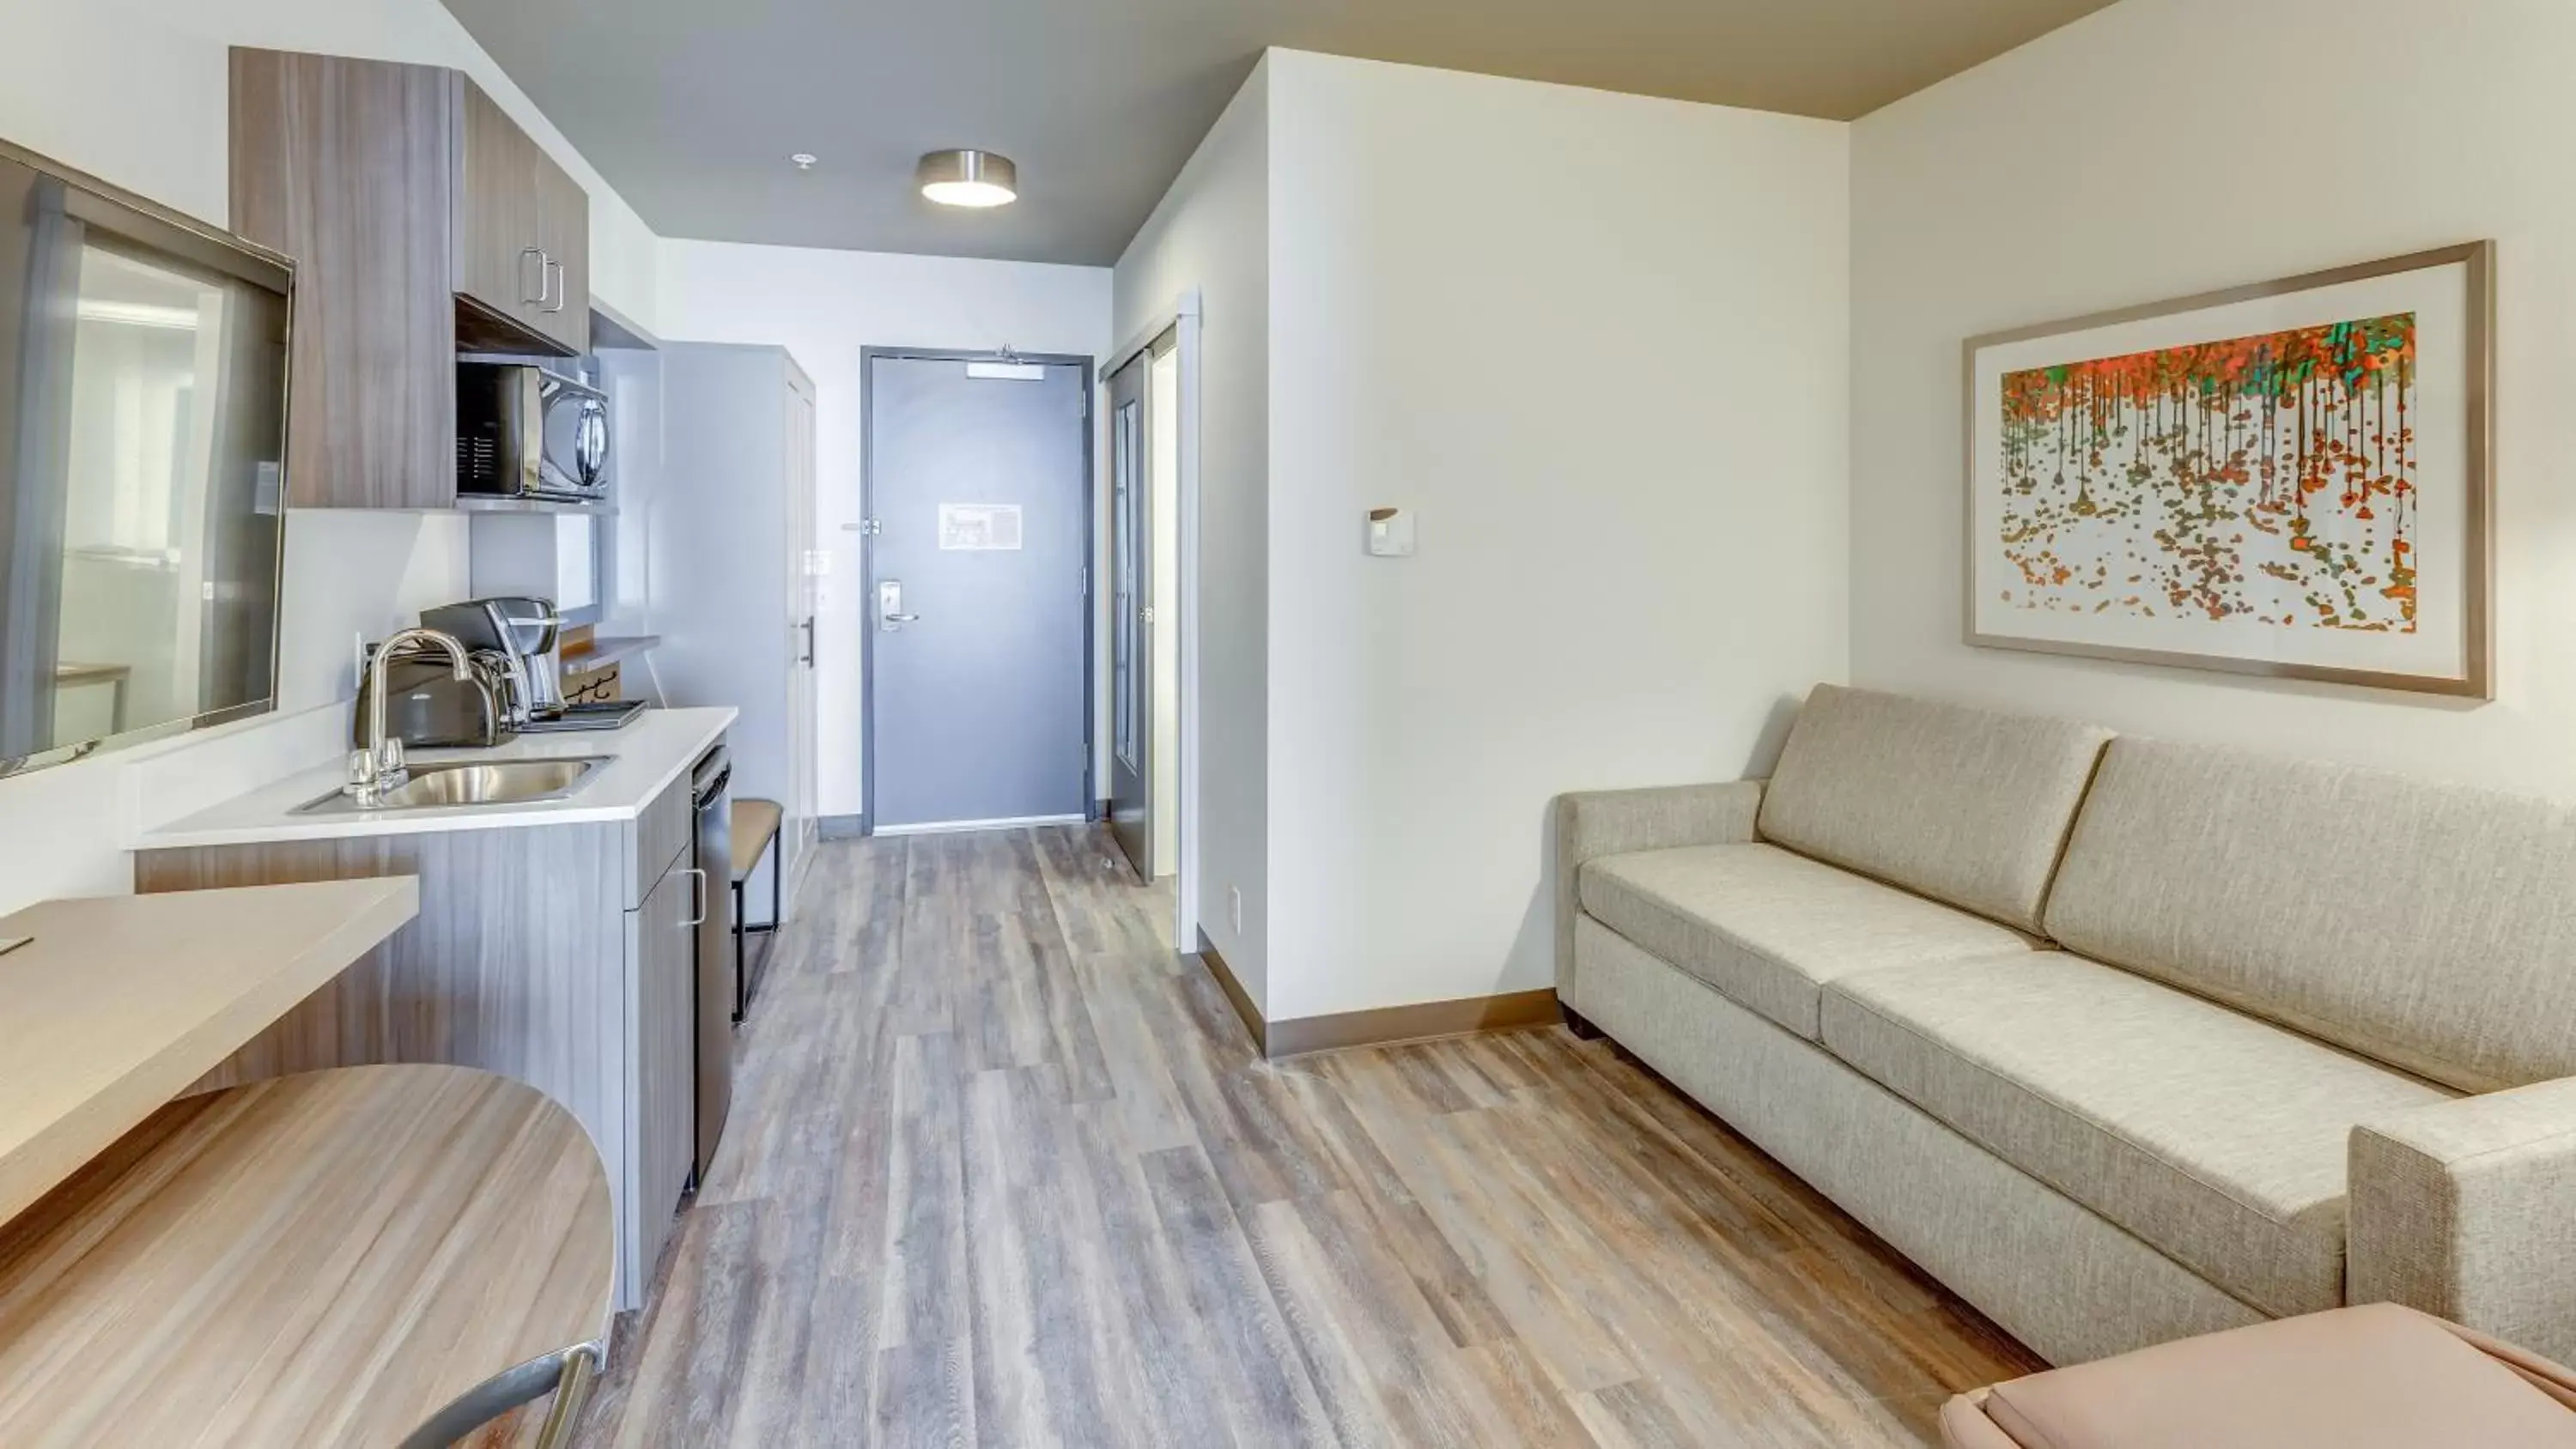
pixel 575 456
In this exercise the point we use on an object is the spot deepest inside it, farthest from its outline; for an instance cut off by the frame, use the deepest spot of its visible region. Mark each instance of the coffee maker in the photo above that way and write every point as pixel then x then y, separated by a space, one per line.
pixel 521 635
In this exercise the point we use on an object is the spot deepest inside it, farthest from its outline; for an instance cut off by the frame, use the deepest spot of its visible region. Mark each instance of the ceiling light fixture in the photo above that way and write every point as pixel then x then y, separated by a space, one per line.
pixel 804 160
pixel 968 178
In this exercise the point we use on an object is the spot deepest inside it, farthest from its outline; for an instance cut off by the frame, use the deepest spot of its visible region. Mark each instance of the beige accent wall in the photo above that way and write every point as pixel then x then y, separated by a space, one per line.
pixel 2166 147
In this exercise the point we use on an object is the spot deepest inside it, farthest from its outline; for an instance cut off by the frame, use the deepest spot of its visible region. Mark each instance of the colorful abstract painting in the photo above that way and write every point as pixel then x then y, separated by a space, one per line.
pixel 2269 478
pixel 2288 478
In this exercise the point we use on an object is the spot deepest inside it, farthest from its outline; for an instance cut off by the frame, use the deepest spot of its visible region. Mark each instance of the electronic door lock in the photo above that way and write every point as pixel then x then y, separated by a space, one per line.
pixel 890 614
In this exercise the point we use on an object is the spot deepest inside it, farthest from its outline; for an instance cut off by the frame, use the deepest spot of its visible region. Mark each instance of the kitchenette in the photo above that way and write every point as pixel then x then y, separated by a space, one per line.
pixel 574 934
pixel 463 959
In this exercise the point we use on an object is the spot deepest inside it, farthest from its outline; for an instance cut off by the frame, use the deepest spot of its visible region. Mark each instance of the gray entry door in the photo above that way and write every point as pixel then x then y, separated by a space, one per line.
pixel 1131 618
pixel 979 482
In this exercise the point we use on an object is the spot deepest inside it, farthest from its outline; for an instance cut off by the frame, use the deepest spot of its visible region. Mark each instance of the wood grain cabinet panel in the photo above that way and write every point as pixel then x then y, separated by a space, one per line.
pixel 499 234
pixel 522 235
pixel 563 232
pixel 343 165
pixel 662 1025
pixel 663 833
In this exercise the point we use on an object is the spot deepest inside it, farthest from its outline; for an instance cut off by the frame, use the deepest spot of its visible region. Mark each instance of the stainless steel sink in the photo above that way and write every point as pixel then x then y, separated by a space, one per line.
pixel 467 783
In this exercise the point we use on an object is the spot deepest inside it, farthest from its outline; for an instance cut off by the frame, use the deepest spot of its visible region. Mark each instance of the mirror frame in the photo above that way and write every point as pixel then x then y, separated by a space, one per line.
pixel 211 246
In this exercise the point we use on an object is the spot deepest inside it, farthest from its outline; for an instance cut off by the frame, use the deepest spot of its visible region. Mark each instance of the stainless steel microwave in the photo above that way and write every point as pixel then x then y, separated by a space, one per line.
pixel 524 431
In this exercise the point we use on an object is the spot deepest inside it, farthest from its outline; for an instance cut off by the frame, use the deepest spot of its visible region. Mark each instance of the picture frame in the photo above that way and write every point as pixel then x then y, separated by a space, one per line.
pixel 2290 479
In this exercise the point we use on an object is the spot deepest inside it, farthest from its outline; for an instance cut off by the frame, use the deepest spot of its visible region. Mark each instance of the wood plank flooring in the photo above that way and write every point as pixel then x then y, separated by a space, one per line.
pixel 1002 1170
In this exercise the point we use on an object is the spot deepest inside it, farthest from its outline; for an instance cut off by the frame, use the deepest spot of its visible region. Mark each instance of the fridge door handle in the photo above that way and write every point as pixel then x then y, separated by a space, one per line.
pixel 698 897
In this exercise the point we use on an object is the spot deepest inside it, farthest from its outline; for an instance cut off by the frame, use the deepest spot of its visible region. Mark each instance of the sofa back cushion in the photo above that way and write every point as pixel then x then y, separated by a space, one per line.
pixel 1968 806
pixel 2430 926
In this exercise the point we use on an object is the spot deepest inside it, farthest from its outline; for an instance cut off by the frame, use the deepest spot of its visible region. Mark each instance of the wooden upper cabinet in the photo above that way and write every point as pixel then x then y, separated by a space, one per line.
pixel 522 234
pixel 422 220
pixel 500 264
pixel 343 165
pixel 563 232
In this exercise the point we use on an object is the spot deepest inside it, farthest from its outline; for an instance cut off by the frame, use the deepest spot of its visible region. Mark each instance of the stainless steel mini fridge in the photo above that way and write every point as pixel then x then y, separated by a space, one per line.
pixel 711 793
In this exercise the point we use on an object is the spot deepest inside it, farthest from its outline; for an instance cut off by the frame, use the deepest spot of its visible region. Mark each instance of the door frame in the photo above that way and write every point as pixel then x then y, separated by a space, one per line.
pixel 866 589
pixel 1182 320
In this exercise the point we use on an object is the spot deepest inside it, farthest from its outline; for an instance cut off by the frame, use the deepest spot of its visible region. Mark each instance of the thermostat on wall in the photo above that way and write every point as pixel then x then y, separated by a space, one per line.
pixel 1390 533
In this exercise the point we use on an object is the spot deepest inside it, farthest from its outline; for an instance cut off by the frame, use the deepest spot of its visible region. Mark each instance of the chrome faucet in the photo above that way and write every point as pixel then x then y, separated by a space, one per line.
pixel 379 767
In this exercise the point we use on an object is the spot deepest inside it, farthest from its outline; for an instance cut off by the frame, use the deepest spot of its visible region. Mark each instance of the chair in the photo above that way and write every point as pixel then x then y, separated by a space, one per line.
pixel 755 831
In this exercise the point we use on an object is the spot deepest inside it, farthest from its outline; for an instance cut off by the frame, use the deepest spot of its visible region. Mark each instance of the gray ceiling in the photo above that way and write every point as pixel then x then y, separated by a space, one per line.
pixel 691 107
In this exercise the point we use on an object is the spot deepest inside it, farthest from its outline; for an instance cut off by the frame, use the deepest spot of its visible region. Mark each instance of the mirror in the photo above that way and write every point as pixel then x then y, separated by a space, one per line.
pixel 142 428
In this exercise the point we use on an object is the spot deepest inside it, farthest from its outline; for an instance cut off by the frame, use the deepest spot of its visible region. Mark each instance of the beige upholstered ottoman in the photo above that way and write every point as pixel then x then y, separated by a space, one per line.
pixel 2375 1377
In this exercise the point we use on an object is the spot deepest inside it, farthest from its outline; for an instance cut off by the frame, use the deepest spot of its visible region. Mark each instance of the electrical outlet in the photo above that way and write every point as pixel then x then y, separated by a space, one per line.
pixel 1234 907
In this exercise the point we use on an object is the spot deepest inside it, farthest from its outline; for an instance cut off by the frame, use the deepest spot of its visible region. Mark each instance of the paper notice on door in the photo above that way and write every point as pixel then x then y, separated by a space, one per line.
pixel 979 526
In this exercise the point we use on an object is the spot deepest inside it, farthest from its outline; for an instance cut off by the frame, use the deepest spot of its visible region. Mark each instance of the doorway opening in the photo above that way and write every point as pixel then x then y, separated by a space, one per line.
pixel 1144 609
pixel 976 496
pixel 1149 528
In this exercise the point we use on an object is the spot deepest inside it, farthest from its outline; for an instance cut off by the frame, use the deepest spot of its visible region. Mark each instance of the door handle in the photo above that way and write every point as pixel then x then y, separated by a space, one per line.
pixel 808 627
pixel 890 614
pixel 540 255
pixel 698 895
pixel 554 275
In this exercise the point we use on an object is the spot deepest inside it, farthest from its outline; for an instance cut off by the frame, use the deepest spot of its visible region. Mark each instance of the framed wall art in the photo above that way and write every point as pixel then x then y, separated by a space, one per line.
pixel 2290 479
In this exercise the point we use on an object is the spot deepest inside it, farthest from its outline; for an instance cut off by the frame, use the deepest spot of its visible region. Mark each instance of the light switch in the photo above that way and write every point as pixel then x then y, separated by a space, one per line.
pixel 1390 533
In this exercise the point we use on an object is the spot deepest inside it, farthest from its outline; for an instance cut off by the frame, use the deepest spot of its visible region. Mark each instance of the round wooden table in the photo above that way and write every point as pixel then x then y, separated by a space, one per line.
pixel 326 1259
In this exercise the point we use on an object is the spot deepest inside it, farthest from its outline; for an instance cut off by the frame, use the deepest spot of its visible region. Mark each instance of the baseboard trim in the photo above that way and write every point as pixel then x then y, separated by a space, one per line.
pixel 968 827
pixel 1415 1022
pixel 1420 1021
pixel 1235 995
pixel 841 827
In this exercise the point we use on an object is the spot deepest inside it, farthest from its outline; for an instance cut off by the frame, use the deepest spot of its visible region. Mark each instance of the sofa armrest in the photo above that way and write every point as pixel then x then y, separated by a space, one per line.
pixel 2467 1210
pixel 1596 823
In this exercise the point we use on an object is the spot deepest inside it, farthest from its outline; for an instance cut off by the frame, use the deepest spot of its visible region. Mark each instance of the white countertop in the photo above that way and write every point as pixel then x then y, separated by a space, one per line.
pixel 658 748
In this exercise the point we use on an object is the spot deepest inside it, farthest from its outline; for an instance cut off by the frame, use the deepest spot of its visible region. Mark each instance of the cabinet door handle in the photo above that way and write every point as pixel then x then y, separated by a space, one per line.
pixel 555 285
pixel 540 255
pixel 698 894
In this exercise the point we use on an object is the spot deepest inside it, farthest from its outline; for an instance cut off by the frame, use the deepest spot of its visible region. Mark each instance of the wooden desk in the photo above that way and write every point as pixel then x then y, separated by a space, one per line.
pixel 318 1260
pixel 119 1003
pixel 322 1259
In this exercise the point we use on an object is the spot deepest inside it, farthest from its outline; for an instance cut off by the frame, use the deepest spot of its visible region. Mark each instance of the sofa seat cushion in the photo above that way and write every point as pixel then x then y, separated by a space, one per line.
pixel 2213 1137
pixel 1768 927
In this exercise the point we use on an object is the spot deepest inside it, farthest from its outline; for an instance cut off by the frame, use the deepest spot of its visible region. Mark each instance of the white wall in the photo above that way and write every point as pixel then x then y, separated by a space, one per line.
pixel 1597 343
pixel 2165 147
pixel 1211 234
pixel 136 93
pixel 826 307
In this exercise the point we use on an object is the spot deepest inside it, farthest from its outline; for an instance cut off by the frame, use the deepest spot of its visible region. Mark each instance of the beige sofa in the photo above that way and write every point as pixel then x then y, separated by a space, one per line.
pixel 2123 1040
